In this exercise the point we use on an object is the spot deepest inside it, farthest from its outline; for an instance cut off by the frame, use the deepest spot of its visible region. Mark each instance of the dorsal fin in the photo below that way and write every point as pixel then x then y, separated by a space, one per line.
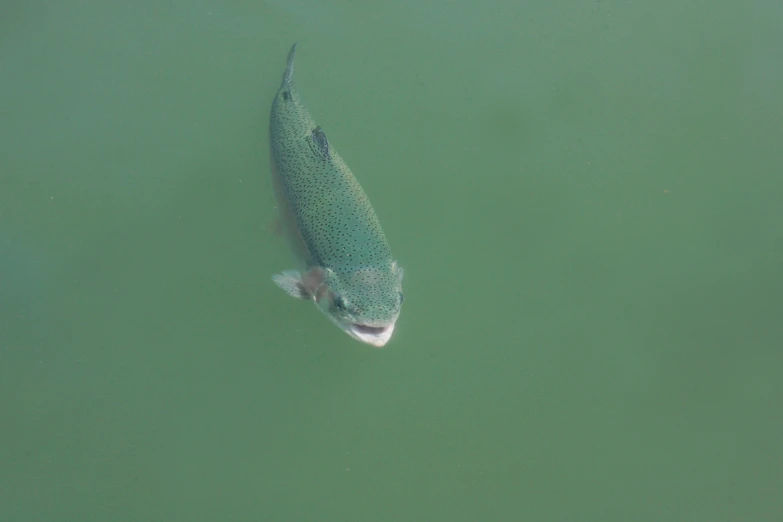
pixel 321 144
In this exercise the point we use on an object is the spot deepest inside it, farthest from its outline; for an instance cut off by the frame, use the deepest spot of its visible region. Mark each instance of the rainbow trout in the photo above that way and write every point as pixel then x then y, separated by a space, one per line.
pixel 347 267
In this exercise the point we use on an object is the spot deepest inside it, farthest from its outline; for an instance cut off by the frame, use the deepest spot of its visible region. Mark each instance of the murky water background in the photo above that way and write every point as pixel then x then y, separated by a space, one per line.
pixel 587 200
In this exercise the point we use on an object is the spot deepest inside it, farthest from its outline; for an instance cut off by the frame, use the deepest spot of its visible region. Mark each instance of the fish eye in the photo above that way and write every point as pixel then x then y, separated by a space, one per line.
pixel 402 298
pixel 339 302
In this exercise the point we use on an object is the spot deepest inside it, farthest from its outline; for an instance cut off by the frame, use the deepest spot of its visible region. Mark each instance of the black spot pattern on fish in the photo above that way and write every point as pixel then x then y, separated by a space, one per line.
pixel 337 224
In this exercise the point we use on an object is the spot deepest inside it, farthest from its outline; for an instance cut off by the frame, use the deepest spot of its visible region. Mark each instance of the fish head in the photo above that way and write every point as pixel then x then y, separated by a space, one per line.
pixel 364 302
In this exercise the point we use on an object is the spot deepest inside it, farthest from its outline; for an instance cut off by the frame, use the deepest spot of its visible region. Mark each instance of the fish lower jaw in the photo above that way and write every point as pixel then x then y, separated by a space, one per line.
pixel 376 336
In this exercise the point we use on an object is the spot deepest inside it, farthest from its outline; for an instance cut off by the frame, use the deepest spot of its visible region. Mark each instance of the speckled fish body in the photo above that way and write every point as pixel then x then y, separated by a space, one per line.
pixel 347 267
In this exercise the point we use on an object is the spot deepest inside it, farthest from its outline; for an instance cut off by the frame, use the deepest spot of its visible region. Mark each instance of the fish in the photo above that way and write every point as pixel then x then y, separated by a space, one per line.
pixel 345 262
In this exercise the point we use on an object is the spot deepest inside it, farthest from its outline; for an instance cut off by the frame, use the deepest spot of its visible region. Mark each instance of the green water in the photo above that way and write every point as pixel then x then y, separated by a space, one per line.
pixel 587 199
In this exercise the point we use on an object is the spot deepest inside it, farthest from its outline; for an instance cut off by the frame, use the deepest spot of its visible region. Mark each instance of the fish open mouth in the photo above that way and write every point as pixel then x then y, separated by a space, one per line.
pixel 376 336
pixel 370 330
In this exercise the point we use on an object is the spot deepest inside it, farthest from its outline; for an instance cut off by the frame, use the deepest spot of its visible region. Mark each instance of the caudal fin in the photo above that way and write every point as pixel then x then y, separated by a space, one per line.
pixel 289 70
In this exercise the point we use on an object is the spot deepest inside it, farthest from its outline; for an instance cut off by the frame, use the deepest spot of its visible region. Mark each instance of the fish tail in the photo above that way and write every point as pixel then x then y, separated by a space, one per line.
pixel 289 70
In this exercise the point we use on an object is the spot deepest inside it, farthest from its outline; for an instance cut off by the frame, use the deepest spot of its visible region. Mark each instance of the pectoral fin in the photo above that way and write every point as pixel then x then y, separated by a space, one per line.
pixel 301 286
pixel 275 227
